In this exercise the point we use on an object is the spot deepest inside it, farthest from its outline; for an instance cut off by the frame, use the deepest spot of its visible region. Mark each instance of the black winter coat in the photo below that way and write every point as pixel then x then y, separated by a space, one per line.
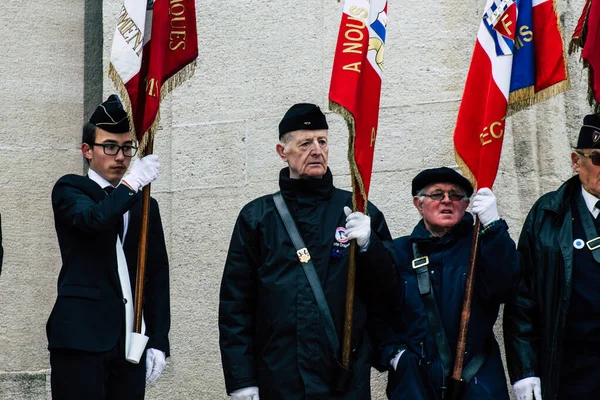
pixel 534 323
pixel 271 333
pixel 404 324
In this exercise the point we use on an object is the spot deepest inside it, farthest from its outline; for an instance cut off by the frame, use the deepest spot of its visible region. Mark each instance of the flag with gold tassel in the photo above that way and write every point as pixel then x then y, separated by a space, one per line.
pixel 518 60
pixel 587 37
pixel 154 49
pixel 356 85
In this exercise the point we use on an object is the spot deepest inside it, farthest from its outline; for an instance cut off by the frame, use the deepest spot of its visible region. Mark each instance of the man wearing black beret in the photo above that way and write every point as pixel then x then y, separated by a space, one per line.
pixel 552 329
pixel 415 338
pixel 97 219
pixel 282 304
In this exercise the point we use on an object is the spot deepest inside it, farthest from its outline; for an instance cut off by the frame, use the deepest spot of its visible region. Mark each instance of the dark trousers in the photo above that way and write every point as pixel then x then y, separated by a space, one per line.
pixel 414 379
pixel 579 376
pixel 82 375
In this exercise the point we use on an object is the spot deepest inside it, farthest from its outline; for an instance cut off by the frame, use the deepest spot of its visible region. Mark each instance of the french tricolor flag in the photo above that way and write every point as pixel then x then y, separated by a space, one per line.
pixel 518 60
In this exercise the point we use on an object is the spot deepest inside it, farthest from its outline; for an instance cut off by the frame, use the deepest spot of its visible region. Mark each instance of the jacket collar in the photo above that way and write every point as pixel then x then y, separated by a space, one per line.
pixel 421 234
pixel 559 201
pixel 314 189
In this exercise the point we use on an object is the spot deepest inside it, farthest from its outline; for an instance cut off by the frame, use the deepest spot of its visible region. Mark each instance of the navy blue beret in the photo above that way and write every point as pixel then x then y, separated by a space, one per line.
pixel 302 116
pixel 589 134
pixel 440 175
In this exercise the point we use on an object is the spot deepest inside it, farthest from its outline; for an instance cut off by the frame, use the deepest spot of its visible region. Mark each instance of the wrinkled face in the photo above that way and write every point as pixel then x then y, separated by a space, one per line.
pixel 589 174
pixel 305 152
pixel 111 168
pixel 442 215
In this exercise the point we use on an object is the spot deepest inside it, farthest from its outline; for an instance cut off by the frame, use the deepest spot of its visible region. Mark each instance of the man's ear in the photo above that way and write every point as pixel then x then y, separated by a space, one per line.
pixel 575 161
pixel 86 150
pixel 418 204
pixel 280 148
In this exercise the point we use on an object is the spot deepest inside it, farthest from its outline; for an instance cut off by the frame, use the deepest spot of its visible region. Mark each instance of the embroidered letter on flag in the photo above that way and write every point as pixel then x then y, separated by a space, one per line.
pixel 154 48
pixel 518 60
pixel 356 85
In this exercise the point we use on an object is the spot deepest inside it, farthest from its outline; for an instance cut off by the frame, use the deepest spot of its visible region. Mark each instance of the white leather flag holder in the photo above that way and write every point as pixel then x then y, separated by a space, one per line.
pixel 135 343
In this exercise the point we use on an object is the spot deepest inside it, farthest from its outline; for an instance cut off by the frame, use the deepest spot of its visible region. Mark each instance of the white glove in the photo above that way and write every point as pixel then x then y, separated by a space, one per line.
pixel 142 171
pixel 249 393
pixel 358 226
pixel 394 362
pixel 527 388
pixel 484 205
pixel 155 365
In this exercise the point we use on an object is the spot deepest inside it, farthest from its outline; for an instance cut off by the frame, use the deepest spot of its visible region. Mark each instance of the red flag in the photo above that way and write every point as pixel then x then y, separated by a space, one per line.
pixel 507 73
pixel 154 48
pixel 591 50
pixel 578 35
pixel 356 85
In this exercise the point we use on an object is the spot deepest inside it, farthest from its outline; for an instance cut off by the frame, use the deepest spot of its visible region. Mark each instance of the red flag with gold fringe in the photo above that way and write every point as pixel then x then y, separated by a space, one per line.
pixel 155 46
pixel 356 85
pixel 587 37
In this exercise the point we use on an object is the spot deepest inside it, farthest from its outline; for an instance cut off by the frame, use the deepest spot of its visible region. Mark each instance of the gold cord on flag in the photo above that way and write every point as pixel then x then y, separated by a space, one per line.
pixel 357 181
pixel 167 87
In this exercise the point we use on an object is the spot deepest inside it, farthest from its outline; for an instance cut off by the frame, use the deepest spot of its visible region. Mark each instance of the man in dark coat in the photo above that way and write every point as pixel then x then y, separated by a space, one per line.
pixel 97 219
pixel 273 340
pixel 426 313
pixel 552 329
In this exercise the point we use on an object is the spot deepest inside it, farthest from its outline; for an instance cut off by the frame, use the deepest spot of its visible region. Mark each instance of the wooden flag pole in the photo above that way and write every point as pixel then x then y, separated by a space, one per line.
pixel 456 382
pixel 349 305
pixel 350 284
pixel 142 250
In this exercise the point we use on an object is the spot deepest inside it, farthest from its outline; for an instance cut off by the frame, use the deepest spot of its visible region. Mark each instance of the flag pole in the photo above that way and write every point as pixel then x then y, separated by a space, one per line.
pixel 345 375
pixel 457 384
pixel 349 306
pixel 142 250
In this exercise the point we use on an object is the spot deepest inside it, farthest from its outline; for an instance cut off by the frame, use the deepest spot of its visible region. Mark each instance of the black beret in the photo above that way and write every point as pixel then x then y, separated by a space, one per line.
pixel 302 116
pixel 589 135
pixel 440 175
pixel 111 116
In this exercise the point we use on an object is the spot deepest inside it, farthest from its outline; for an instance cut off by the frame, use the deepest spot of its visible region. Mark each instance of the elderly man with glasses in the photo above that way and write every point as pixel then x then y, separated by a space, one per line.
pixel 97 219
pixel 552 329
pixel 415 338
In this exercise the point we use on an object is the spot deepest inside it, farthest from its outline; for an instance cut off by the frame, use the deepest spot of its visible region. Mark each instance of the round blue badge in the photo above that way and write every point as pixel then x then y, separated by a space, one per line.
pixel 578 244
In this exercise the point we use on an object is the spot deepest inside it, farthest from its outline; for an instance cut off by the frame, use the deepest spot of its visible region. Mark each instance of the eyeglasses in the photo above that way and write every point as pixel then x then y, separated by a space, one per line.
pixel 595 156
pixel 111 149
pixel 439 196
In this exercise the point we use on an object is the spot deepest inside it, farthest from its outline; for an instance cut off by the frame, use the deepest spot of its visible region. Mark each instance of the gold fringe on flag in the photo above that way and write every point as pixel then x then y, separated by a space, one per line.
pixel 167 87
pixel 465 169
pixel 357 181
pixel 577 42
pixel 526 97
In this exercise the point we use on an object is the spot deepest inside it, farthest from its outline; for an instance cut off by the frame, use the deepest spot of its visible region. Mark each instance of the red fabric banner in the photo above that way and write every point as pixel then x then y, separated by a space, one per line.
pixel 356 85
pixel 170 45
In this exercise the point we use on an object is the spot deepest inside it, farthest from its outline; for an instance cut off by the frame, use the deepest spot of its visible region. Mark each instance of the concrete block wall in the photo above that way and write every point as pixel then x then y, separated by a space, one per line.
pixel 217 147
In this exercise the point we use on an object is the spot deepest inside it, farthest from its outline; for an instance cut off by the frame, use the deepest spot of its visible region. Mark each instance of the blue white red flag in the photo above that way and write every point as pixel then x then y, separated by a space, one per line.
pixel 518 60
pixel 356 85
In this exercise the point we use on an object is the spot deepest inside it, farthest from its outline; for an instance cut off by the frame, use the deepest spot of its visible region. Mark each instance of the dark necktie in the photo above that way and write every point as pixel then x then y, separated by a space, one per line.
pixel 598 207
pixel 109 190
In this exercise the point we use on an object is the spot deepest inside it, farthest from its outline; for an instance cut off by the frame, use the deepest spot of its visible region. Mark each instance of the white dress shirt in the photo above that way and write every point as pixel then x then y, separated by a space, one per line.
pixel 93 175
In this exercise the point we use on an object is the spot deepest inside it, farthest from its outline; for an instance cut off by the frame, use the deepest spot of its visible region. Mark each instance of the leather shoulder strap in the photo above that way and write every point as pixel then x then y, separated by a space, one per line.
pixel 309 270
pixel 420 264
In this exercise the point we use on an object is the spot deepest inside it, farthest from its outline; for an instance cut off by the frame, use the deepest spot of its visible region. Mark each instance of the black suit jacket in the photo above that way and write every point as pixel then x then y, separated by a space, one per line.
pixel 89 313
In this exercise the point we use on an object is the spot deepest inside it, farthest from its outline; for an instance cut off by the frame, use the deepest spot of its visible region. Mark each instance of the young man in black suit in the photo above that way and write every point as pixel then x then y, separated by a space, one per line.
pixel 97 220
